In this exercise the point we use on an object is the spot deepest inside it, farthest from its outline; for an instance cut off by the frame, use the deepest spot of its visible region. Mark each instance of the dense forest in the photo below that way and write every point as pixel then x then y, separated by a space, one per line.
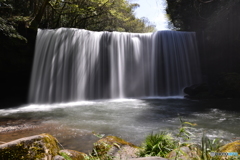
pixel 96 15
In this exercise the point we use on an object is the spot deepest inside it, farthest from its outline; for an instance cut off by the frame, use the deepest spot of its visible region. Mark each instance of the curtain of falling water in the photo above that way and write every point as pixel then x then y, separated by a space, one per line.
pixel 75 64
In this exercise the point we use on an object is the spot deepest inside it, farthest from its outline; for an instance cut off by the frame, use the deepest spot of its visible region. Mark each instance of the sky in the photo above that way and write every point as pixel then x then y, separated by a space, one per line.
pixel 154 10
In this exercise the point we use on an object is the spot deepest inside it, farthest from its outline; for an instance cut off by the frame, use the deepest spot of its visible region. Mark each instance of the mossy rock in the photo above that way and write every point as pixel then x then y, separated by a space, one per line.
pixel 231 147
pixel 73 155
pixel 149 158
pixel 185 153
pixel 116 147
pixel 58 157
pixel 43 146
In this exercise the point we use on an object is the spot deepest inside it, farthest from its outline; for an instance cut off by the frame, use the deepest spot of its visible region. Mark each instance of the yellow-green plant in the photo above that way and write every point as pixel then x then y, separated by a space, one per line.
pixel 184 130
pixel 91 157
pixel 158 144
pixel 64 155
pixel 100 150
pixel 209 145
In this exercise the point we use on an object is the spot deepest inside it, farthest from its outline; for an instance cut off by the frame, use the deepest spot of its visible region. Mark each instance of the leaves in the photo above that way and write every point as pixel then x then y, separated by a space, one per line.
pixel 108 15
pixel 98 135
pixel 9 31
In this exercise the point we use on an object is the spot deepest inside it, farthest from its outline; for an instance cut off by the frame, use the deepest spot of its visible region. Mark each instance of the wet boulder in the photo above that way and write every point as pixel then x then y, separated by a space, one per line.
pixel 116 148
pixel 57 157
pixel 71 154
pixel 149 158
pixel 185 153
pixel 43 146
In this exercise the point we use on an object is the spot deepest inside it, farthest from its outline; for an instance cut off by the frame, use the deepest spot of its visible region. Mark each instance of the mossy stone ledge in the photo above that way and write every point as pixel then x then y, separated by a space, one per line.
pixel 115 148
pixel 231 147
pixel 43 146
pixel 73 155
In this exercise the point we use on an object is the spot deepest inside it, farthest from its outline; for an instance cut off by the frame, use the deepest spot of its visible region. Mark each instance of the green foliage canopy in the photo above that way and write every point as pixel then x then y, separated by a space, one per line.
pixel 108 15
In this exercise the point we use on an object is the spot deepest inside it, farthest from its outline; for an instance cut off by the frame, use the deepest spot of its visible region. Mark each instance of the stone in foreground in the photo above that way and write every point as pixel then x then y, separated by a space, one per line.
pixel 116 148
pixel 231 147
pixel 43 146
pixel 149 158
pixel 74 155
pixel 185 153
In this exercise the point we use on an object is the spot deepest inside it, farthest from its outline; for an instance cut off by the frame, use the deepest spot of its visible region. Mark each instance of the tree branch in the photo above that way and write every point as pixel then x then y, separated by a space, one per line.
pixel 38 17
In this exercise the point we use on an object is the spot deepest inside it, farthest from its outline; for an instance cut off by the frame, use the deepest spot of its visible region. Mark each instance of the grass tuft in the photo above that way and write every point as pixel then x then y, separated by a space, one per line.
pixel 158 144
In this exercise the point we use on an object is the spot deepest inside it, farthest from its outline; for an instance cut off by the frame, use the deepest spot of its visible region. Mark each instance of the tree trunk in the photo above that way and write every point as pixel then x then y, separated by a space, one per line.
pixel 35 23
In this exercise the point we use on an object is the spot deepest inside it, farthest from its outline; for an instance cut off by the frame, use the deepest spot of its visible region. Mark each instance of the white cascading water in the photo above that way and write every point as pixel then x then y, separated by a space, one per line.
pixel 76 64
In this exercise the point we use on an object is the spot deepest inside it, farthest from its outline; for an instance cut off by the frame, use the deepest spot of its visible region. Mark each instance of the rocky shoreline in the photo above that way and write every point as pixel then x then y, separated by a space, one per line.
pixel 15 134
pixel 46 147
pixel 11 129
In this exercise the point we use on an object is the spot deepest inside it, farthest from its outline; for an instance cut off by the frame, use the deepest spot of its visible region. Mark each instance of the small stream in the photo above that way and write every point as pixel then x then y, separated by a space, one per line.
pixel 130 119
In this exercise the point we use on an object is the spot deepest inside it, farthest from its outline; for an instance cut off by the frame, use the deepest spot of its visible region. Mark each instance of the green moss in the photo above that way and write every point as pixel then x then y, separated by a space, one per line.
pixel 112 140
pixel 51 143
pixel 231 147
pixel 67 157
pixel 103 148
pixel 105 144
pixel 72 154
pixel 31 150
pixel 22 151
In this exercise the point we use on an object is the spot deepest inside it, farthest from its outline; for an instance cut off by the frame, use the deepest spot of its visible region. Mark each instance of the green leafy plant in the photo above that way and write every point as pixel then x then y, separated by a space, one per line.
pixel 100 150
pixel 64 155
pixel 162 143
pixel 90 157
pixel 184 130
pixel 209 145
pixel 183 135
pixel 99 154
pixel 158 145
pixel 98 135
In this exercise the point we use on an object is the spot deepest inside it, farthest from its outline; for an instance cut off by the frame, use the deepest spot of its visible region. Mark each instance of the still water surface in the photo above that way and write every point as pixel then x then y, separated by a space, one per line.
pixel 130 119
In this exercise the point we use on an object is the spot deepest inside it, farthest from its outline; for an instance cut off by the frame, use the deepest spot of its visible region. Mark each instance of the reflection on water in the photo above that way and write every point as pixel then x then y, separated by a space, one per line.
pixel 131 119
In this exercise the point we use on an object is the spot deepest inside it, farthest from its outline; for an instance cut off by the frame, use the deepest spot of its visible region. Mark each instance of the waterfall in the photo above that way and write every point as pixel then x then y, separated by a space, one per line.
pixel 76 64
